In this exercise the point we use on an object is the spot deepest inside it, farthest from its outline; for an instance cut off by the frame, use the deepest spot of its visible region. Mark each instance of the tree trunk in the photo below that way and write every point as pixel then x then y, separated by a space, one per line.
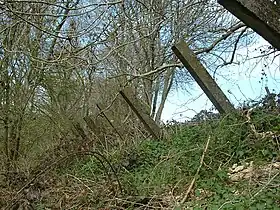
pixel 155 99
pixel 168 81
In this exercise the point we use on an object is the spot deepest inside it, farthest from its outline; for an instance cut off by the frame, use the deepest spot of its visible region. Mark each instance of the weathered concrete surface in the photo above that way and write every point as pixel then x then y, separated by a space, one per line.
pixel 202 77
pixel 142 114
pixel 261 15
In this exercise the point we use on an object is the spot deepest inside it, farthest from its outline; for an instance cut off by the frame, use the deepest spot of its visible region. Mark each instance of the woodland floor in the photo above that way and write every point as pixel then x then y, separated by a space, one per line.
pixel 233 163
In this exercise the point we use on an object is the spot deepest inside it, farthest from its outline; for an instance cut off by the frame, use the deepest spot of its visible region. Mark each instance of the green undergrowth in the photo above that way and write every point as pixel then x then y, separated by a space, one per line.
pixel 161 171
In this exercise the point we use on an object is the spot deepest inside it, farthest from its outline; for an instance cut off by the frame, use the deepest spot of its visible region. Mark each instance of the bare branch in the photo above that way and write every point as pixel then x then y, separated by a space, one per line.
pixel 231 31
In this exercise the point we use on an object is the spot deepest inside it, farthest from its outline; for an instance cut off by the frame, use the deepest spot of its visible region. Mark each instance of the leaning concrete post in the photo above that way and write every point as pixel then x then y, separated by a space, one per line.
pixel 261 15
pixel 202 77
pixel 142 114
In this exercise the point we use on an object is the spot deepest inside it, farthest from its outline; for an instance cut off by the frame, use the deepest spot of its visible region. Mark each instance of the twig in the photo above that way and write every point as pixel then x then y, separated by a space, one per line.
pixel 79 180
pixel 97 155
pixel 109 121
pixel 197 171
pixel 223 37
pixel 227 202
pixel 269 181
pixel 235 47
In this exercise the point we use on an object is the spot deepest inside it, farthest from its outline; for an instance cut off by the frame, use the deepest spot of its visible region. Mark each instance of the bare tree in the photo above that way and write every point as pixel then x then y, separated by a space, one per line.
pixel 59 58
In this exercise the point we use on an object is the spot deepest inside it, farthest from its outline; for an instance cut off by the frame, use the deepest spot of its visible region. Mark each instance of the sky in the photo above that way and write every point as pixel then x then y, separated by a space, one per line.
pixel 243 84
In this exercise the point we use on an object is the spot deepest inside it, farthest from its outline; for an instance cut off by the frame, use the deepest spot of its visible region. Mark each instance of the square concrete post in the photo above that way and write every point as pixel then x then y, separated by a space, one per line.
pixel 142 114
pixel 202 77
pixel 261 15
